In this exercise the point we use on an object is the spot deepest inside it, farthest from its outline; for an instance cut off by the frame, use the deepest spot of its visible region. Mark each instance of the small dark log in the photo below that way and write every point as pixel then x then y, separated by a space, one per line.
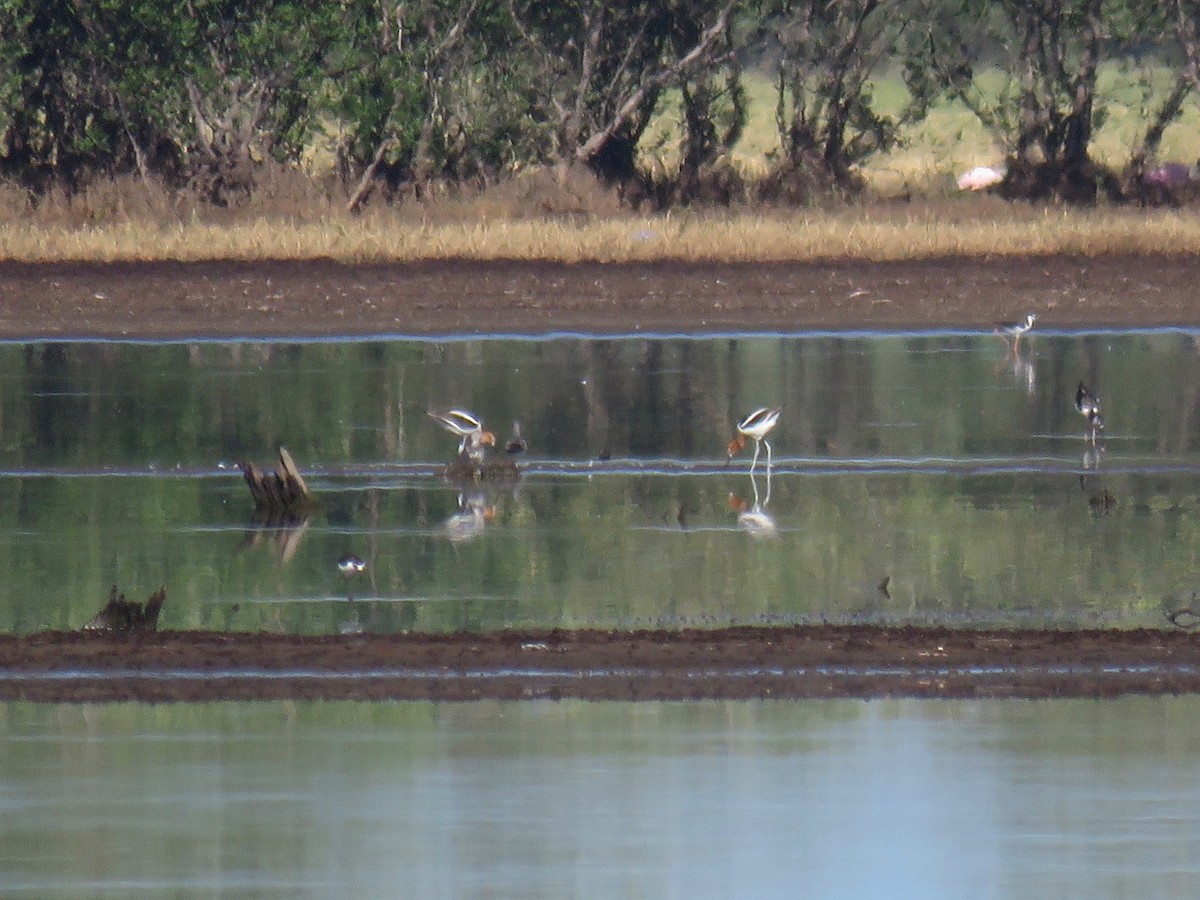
pixel 120 614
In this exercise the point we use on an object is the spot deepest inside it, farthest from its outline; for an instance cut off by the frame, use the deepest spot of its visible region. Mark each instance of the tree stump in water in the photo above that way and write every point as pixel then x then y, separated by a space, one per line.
pixel 120 614
pixel 280 492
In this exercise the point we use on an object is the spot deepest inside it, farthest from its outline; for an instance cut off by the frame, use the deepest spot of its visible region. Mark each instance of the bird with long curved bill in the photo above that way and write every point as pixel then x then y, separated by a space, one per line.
pixel 1014 330
pixel 1088 405
pixel 755 426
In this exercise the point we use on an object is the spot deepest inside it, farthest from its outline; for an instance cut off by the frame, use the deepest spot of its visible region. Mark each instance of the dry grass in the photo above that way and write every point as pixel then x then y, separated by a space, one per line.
pixel 979 227
pixel 547 215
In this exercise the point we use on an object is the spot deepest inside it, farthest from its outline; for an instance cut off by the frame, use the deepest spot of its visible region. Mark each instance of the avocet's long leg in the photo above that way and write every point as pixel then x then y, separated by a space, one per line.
pixel 755 459
pixel 768 443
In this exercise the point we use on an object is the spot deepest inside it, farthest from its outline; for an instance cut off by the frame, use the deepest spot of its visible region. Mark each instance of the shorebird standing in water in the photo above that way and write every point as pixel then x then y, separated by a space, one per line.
pixel 1015 330
pixel 468 427
pixel 757 425
pixel 351 565
pixel 1088 405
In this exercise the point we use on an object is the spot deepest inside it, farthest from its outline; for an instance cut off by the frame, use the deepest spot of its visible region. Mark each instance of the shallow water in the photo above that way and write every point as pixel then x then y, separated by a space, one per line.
pixel 925 477
pixel 847 798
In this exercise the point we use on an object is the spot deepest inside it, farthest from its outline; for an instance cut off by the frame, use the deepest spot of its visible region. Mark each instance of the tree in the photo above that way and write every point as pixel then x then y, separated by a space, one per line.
pixel 826 53
pixel 250 72
pixel 1182 19
pixel 59 122
pixel 601 67
pixel 425 95
pixel 113 86
pixel 713 103
pixel 1047 109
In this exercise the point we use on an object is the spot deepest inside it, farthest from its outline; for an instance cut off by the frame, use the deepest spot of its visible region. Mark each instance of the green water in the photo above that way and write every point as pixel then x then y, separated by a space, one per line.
pixel 933 461
pixel 833 799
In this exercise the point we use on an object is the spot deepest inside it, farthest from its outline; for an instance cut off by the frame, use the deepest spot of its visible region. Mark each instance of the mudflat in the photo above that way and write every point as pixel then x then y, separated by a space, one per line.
pixel 309 299
pixel 320 298
pixel 688 664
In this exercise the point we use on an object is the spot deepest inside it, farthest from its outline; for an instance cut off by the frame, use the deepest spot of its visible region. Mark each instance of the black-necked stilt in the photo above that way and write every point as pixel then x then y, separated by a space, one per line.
pixel 351 565
pixel 757 425
pixel 1015 329
pixel 468 427
pixel 1088 405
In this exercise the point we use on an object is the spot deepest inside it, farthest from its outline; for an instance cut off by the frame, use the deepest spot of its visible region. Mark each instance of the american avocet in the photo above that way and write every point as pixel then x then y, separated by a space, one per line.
pixel 1088 405
pixel 468 427
pixel 757 425
pixel 1015 329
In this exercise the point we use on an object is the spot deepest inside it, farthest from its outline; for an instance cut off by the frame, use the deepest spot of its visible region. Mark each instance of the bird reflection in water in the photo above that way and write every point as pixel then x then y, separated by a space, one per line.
pixel 1022 371
pixel 753 518
pixel 1100 499
pixel 1182 609
pixel 474 513
pixel 351 567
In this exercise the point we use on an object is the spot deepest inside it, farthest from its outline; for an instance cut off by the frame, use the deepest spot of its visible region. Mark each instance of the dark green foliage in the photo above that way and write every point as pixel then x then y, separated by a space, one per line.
pixel 200 93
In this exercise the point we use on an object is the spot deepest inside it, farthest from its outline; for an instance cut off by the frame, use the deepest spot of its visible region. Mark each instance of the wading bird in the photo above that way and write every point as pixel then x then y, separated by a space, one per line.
pixel 468 427
pixel 757 425
pixel 350 565
pixel 1015 329
pixel 1088 405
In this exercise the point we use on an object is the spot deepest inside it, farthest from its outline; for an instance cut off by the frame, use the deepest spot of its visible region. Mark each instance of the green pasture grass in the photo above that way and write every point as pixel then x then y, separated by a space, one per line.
pixel 950 140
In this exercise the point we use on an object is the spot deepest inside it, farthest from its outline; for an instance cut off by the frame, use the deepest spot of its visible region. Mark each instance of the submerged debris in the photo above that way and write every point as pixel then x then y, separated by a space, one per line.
pixel 120 614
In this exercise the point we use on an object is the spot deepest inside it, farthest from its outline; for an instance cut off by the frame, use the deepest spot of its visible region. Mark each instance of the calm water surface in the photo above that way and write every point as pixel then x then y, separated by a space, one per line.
pixel 824 798
pixel 936 462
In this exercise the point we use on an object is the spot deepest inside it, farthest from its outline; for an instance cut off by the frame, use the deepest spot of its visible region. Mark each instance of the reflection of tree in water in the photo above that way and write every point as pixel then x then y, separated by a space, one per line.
pixel 57 406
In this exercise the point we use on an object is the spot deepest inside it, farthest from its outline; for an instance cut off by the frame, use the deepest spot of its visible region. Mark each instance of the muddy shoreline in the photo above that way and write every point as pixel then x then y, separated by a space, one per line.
pixel 323 299
pixel 691 664
pixel 319 299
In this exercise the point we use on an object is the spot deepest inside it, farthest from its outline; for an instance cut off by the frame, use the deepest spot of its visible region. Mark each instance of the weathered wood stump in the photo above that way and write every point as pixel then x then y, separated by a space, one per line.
pixel 279 492
pixel 120 614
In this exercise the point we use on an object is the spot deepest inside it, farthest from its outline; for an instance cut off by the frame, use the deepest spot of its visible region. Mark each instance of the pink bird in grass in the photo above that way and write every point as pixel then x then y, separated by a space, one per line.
pixel 980 178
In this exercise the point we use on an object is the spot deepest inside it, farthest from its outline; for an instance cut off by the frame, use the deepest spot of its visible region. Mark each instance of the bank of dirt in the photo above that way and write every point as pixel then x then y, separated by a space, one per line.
pixel 730 663
pixel 307 299
pixel 321 299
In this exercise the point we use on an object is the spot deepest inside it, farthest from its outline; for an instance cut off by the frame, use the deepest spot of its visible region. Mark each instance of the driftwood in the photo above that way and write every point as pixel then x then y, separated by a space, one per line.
pixel 283 491
pixel 120 614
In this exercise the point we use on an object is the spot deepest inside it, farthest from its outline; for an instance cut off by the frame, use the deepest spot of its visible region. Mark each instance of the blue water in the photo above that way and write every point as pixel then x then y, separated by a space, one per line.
pixel 733 799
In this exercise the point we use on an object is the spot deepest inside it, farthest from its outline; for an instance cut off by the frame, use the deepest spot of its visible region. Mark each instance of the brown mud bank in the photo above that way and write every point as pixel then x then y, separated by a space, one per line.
pixel 732 663
pixel 322 298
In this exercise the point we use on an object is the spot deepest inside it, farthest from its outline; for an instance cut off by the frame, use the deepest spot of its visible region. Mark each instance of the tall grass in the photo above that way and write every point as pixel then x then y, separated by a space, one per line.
pixel 973 228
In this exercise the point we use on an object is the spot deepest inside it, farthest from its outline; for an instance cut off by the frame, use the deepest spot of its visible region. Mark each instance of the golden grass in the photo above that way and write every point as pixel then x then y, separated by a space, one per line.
pixel 972 227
